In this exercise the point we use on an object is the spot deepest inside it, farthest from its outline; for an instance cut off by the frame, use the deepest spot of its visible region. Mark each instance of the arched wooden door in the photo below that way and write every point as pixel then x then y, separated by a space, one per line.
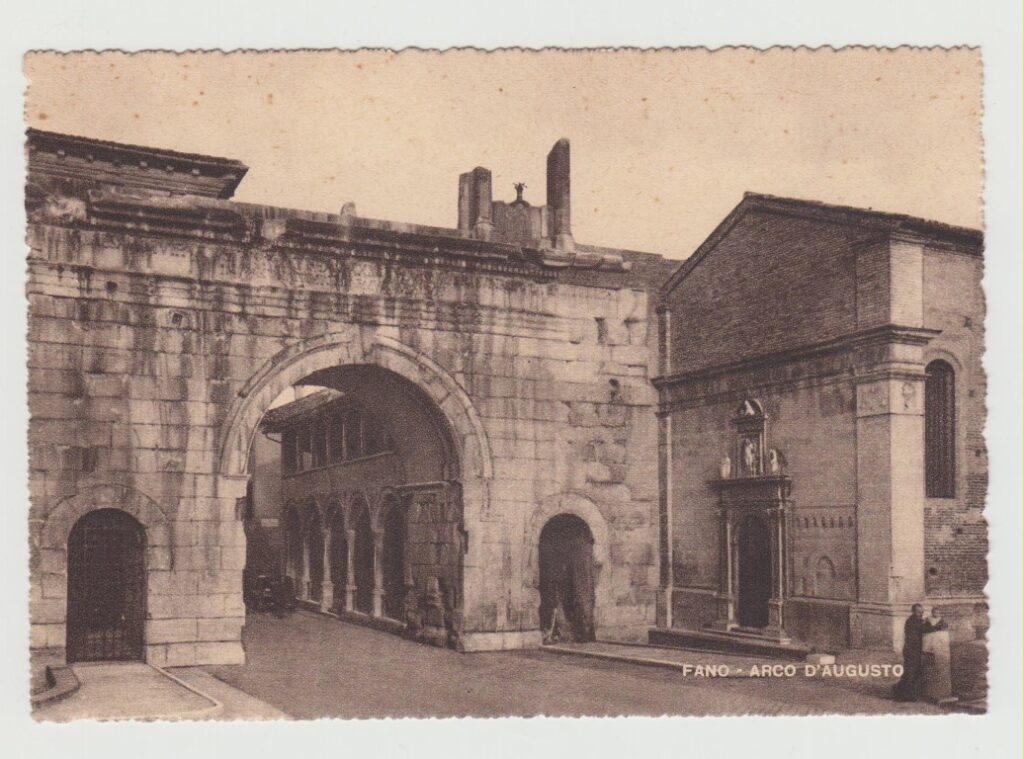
pixel 106 588
pixel 755 572
pixel 566 555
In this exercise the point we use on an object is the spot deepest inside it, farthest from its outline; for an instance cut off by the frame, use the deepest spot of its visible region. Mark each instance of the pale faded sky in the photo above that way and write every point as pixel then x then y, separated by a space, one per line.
pixel 663 143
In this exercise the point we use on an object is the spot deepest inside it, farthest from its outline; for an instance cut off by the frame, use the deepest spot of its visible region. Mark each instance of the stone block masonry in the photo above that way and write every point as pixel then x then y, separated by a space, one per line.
pixel 162 326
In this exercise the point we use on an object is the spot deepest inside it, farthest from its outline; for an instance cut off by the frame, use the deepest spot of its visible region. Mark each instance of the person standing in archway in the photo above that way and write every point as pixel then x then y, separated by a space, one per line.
pixel 560 631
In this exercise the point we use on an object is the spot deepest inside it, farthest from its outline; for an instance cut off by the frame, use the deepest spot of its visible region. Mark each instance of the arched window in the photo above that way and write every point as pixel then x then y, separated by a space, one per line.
pixel 939 431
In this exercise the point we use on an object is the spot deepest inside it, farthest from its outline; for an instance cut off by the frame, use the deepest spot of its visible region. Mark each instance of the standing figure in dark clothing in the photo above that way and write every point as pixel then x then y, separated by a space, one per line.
pixel 909 686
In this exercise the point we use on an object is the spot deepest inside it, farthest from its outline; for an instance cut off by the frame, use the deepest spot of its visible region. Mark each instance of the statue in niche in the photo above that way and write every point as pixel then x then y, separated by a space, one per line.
pixel 725 467
pixel 747 409
pixel 776 461
pixel 750 463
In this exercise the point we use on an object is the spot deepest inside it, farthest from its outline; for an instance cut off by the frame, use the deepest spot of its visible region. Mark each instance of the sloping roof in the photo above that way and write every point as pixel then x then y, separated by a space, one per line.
pixel 281 416
pixel 869 219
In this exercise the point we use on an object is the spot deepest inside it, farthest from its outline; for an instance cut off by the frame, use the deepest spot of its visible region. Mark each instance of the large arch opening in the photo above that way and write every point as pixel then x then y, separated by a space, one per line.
pixel 567 579
pixel 339 463
pixel 106 611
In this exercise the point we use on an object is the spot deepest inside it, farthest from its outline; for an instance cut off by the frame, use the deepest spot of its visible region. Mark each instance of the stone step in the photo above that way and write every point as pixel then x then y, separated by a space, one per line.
pixel 728 642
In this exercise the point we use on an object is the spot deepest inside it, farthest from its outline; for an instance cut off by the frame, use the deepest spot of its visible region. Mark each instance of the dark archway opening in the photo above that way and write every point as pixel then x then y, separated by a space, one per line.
pixel 356 435
pixel 364 561
pixel 394 560
pixel 338 550
pixel 314 555
pixel 755 573
pixel 293 549
pixel 566 555
pixel 106 588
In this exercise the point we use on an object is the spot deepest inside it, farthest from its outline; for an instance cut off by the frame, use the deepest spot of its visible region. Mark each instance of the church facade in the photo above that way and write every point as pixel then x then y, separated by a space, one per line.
pixel 822 403
pixel 780 437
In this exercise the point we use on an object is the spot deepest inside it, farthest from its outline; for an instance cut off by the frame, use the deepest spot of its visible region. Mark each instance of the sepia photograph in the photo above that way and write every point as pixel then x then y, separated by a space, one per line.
pixel 566 383
pixel 488 380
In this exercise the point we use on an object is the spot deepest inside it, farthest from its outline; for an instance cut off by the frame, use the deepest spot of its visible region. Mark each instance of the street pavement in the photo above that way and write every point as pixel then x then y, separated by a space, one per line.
pixel 127 690
pixel 311 666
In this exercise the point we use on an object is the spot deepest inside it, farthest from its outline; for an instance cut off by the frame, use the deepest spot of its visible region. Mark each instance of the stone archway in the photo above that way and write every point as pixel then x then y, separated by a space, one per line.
pixel 586 511
pixel 106 610
pixel 349 348
pixel 49 553
pixel 364 346
pixel 566 572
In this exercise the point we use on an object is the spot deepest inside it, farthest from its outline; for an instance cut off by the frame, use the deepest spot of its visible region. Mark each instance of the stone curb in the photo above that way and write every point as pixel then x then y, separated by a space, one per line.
pixel 62 683
pixel 639 660
pixel 215 708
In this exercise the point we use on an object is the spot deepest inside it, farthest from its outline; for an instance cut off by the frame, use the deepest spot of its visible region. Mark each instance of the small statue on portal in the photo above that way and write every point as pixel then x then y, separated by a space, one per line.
pixel 725 467
pixel 751 466
pixel 776 461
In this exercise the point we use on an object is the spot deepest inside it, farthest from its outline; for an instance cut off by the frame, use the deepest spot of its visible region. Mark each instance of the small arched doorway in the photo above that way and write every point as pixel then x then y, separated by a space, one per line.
pixel 394 560
pixel 566 554
pixel 106 588
pixel 754 572
pixel 364 560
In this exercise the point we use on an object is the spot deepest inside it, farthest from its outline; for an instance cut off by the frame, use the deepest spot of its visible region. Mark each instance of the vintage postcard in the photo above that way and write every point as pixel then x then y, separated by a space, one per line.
pixel 565 382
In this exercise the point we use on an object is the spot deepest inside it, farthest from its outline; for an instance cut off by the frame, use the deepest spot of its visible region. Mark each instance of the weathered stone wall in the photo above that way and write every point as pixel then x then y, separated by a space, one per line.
pixel 147 342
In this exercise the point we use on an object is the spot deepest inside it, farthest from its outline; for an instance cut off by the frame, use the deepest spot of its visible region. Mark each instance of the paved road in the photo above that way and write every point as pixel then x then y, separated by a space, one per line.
pixel 126 690
pixel 311 666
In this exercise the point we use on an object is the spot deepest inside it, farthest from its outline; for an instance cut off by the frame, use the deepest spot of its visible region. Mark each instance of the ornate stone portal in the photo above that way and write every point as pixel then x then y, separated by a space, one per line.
pixel 753 496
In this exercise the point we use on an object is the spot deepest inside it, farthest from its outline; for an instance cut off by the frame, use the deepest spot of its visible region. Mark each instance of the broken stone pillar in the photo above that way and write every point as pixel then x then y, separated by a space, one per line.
pixel 475 215
pixel 936 681
pixel 558 195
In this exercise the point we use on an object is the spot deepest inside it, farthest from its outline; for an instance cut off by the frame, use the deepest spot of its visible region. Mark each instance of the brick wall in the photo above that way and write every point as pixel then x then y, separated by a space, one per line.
pixel 956 542
pixel 774 282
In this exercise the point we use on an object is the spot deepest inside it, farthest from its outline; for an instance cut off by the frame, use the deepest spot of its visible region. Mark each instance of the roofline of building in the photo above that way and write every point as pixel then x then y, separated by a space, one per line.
pixel 866 218
pixel 296 411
